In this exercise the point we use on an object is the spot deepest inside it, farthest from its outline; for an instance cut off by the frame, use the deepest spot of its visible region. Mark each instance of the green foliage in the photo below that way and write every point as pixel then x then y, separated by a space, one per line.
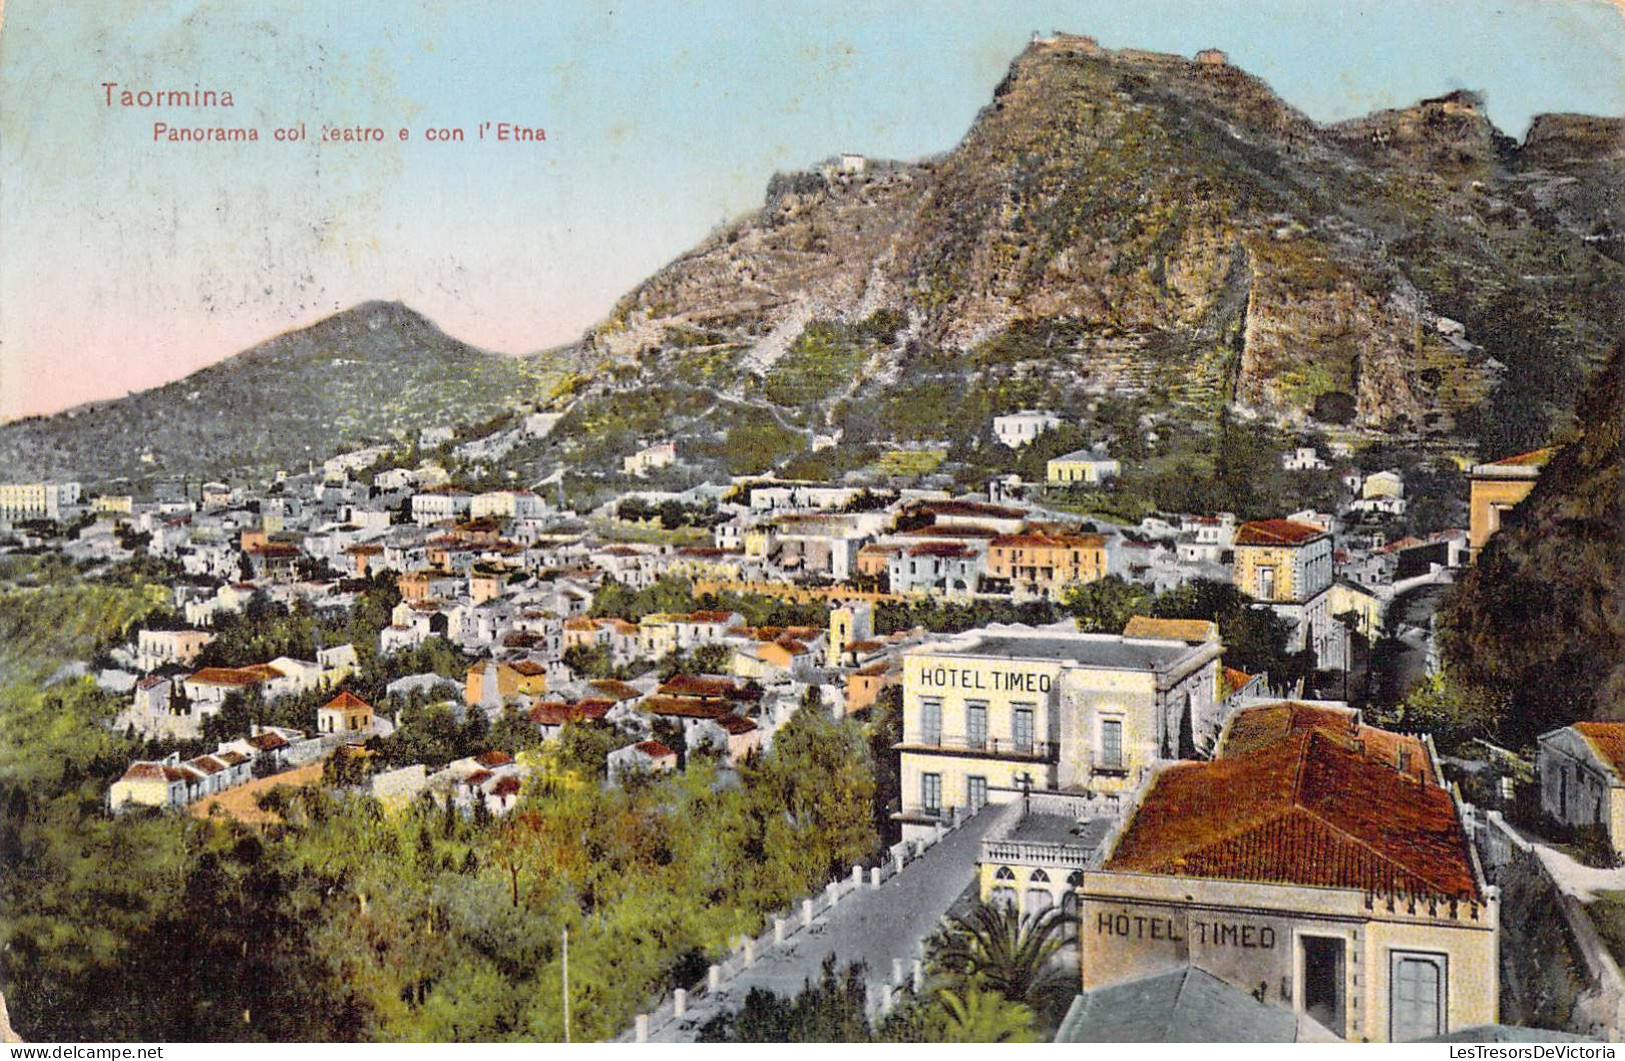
pixel 825 357
pixel 1105 605
pixel 1535 630
pixel 995 947
pixel 833 1010
pixel 668 594
pixel 756 442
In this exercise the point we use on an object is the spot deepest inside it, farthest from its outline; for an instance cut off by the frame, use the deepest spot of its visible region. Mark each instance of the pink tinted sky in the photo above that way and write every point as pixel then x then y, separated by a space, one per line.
pixel 126 263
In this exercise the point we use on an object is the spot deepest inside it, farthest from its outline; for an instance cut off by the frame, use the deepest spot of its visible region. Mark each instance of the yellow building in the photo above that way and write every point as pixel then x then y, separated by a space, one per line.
pixel 345 713
pixel 849 622
pixel 1496 488
pixel 1080 467
pixel 22 501
pixel 1366 604
pixel 154 784
pixel 1288 566
pixel 1043 565
pixel 113 505
pixel 1310 874
pixel 995 711
pixel 492 683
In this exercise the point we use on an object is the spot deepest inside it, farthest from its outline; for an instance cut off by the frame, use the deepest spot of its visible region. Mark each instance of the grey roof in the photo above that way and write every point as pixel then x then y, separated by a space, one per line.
pixel 1102 650
pixel 1184 1005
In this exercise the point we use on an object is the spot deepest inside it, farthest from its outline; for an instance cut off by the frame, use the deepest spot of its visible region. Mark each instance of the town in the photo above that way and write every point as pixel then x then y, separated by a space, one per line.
pixel 1061 687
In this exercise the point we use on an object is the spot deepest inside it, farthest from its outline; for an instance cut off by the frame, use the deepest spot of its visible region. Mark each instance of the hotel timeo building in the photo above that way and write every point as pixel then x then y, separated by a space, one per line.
pixel 1315 864
pixel 1006 709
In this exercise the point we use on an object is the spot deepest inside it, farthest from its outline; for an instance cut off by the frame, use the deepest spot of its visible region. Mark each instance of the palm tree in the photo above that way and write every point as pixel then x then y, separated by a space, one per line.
pixel 996 947
pixel 980 1016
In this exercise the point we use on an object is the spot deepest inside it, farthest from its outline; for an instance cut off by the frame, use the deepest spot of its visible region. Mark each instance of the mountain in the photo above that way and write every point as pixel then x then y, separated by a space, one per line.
pixel 370 373
pixel 1536 629
pixel 1124 225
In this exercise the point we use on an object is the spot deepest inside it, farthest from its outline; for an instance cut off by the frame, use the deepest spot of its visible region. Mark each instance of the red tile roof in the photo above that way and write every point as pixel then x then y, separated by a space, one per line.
pixel 684 707
pixel 654 749
pixel 1608 740
pixel 506 786
pixel 694 685
pixel 229 676
pixel 1277 532
pixel 736 726
pixel 493 758
pixel 347 701
pixel 1534 458
pixel 1261 725
pixel 557 713
pixel 1305 811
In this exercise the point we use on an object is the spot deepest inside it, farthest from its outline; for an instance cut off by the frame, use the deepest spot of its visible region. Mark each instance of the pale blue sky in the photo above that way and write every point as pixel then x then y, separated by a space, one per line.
pixel 125 263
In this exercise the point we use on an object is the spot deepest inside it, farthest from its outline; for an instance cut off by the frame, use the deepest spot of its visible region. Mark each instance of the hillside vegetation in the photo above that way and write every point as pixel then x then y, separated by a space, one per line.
pixel 1535 633
pixel 375 372
pixel 1148 229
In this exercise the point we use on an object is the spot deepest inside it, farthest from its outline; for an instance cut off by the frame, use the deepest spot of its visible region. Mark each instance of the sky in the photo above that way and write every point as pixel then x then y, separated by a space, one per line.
pixel 126 263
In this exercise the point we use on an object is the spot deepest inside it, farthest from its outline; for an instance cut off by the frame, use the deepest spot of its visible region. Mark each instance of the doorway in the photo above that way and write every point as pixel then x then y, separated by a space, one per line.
pixel 1323 982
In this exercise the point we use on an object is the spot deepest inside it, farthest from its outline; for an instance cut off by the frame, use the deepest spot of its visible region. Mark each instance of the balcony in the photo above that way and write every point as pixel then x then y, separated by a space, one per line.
pixel 983 747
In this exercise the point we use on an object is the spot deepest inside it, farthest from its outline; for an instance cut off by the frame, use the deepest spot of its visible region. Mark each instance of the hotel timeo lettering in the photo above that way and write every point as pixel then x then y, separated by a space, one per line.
pixel 940 677
pixel 1214 933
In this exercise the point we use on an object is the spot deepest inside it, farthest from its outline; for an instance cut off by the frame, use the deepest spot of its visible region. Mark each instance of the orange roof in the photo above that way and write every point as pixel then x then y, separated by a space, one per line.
pixel 1305 811
pixel 1261 725
pixel 694 685
pixel 1535 458
pixel 1233 679
pixel 229 676
pixel 1032 540
pixel 735 725
pixel 1277 532
pixel 1197 630
pixel 557 713
pixel 347 700
pixel 493 758
pixel 618 689
pixel 1607 739
pixel 654 749
pixel 683 707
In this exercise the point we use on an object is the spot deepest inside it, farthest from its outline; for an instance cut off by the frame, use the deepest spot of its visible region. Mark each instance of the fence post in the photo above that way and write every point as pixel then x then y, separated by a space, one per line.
pixel 857 876
pixel 679 1002
pixel 750 953
pixel 643 1028
pixel 919 976
pixel 874 878
pixel 833 893
pixel 713 978
pixel 778 930
pixel 806 913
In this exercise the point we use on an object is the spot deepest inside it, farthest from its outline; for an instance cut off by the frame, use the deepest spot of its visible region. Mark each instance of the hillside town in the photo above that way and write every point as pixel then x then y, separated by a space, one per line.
pixel 1051 677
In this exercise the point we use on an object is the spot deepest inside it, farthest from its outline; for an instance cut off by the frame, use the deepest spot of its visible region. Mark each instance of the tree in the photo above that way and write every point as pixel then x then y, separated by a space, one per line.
pixel 1105 605
pixel 977 1016
pixel 996 947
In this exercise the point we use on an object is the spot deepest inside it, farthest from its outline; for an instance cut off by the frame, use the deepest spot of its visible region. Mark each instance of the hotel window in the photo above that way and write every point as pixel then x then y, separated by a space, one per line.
pixel 931 792
pixel 1416 996
pixel 976 724
pixel 931 722
pixel 1021 728
pixel 1266 583
pixel 977 789
pixel 1111 744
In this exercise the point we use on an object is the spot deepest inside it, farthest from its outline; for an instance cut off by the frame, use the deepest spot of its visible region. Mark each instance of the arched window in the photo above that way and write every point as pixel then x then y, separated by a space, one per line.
pixel 1075 878
pixel 1004 873
pixel 1039 877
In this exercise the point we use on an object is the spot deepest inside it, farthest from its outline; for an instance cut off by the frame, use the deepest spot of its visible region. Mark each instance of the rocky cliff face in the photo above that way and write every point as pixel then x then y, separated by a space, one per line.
pixel 1176 221
pixel 1537 626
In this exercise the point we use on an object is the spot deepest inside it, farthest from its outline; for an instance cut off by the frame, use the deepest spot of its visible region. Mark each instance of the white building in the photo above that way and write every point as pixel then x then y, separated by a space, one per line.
pixel 1018 429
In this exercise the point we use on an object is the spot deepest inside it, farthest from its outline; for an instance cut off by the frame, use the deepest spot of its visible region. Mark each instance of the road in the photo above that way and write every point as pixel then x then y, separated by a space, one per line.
pixel 873 926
